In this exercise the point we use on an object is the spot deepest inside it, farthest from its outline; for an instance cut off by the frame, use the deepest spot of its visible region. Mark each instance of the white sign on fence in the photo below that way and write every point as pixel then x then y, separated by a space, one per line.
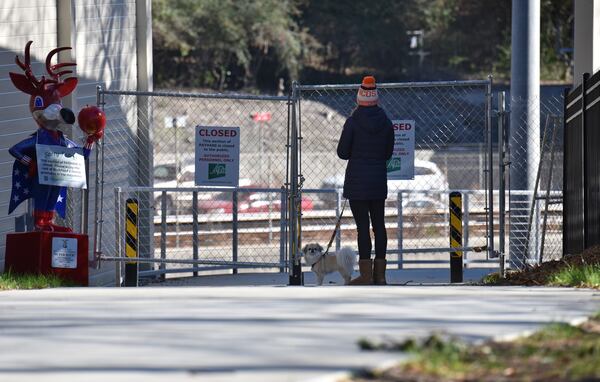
pixel 217 156
pixel 60 166
pixel 402 163
pixel 178 121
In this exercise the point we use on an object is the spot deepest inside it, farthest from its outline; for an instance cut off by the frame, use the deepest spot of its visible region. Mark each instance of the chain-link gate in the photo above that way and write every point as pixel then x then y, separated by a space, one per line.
pixel 291 178
pixel 453 152
pixel 147 155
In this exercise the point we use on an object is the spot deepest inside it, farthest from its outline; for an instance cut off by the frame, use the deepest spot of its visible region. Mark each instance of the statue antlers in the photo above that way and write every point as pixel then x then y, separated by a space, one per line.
pixel 45 91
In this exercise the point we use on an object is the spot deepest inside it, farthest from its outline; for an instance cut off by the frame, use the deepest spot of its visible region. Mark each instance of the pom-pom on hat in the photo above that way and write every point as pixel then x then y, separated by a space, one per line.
pixel 367 93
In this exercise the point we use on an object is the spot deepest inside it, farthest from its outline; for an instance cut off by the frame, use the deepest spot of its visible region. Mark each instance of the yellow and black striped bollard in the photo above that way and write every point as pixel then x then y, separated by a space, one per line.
pixel 456 233
pixel 131 242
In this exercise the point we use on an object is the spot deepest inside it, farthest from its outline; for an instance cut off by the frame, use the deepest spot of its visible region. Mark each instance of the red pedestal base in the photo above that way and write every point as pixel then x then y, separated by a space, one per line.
pixel 43 252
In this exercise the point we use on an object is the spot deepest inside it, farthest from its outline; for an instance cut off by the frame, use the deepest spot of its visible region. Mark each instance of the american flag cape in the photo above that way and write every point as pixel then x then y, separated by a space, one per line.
pixel 22 189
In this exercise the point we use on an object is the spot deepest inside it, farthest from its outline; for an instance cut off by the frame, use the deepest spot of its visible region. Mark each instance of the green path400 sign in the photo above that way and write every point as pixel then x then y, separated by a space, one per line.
pixel 402 163
pixel 217 156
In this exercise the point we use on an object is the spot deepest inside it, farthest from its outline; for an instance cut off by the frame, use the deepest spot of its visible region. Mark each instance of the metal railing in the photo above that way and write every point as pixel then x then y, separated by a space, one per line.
pixel 178 236
pixel 409 214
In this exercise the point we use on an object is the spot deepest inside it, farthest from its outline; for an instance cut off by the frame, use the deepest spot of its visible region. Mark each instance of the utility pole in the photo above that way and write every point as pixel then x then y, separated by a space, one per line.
pixel 524 117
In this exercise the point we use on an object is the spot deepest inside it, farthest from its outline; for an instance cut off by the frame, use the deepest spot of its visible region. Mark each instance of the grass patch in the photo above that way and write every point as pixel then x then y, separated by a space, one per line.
pixel 10 281
pixel 559 352
pixel 581 270
pixel 491 279
pixel 586 276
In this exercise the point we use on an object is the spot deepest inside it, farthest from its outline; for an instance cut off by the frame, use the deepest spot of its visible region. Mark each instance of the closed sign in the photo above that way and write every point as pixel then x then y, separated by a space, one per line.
pixel 402 164
pixel 217 156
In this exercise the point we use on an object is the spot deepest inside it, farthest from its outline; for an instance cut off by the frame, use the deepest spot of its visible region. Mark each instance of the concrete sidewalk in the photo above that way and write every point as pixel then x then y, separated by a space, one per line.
pixel 259 333
pixel 411 276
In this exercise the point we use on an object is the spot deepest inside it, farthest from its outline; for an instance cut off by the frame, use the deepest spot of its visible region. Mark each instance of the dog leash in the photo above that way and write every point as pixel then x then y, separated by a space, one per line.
pixel 337 226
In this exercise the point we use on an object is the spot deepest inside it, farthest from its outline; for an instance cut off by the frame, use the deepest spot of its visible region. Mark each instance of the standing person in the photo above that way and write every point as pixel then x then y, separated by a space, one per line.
pixel 367 142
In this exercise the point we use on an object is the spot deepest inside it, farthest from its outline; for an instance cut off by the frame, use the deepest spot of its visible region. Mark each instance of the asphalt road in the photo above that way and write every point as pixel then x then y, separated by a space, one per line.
pixel 241 333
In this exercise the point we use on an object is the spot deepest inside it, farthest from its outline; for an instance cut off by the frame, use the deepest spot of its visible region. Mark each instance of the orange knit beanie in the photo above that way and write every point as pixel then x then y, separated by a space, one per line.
pixel 367 93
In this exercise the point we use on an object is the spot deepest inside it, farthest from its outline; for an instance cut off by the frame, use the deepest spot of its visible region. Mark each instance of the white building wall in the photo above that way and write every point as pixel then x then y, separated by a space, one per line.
pixel 20 21
pixel 103 34
pixel 104 37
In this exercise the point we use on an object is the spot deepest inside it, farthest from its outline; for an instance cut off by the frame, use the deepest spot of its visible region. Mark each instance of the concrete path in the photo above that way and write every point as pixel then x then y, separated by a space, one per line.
pixel 259 333
pixel 411 276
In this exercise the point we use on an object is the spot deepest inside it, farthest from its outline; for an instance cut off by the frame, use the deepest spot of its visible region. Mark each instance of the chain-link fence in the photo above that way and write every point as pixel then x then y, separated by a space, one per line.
pixel 149 154
pixel 452 148
pixel 534 181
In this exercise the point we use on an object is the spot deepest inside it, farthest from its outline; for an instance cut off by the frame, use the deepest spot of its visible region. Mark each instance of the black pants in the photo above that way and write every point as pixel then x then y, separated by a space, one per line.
pixel 361 210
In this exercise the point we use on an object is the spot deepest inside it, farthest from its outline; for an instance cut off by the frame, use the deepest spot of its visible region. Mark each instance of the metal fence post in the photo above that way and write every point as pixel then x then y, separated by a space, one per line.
pixel 491 252
pixel 163 232
pixel 234 253
pixel 566 232
pixel 118 235
pixel 502 180
pixel 195 238
pixel 338 209
pixel 399 231
pixel 97 247
pixel 537 222
pixel 282 230
pixel 465 227
pixel 295 277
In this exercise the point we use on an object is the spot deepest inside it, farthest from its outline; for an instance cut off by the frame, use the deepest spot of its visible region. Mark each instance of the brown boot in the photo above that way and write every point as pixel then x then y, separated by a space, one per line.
pixel 366 273
pixel 379 272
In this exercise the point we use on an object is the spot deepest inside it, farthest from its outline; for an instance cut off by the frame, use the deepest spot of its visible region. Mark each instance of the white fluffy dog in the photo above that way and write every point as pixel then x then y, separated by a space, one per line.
pixel 342 261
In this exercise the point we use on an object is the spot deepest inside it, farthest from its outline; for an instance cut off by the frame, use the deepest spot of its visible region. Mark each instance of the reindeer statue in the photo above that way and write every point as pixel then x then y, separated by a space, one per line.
pixel 48 112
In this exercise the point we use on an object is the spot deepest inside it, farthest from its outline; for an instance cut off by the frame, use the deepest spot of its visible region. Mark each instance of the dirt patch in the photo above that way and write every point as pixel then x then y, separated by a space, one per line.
pixel 540 274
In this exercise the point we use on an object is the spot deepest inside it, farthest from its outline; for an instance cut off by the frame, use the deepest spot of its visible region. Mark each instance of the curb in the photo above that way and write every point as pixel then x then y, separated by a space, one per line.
pixel 515 336
pixel 346 375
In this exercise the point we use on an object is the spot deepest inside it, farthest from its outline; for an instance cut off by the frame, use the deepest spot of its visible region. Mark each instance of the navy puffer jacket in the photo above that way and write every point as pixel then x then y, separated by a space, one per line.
pixel 367 142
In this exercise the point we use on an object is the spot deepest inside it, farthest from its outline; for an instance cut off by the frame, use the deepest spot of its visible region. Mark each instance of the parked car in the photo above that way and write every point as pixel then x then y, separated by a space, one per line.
pixel 248 202
pixel 165 172
pixel 421 204
pixel 180 202
pixel 429 182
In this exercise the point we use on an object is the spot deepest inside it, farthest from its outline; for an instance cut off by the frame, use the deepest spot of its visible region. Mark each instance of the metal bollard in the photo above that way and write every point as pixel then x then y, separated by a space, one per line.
pixel 131 242
pixel 456 231
pixel 118 235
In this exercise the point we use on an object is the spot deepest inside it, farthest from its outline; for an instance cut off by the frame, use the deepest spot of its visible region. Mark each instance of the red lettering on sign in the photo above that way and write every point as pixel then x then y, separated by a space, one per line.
pixel 402 126
pixel 217 133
